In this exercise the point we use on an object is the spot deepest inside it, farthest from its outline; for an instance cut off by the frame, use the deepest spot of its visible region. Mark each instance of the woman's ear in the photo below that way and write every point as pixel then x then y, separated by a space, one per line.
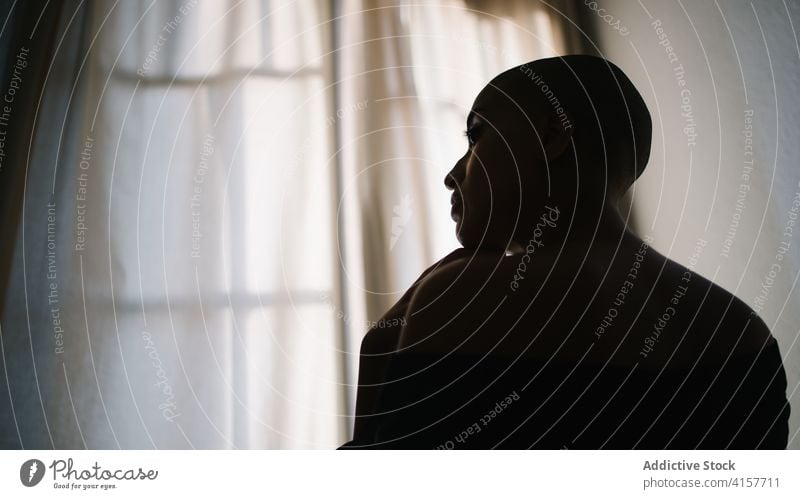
pixel 557 138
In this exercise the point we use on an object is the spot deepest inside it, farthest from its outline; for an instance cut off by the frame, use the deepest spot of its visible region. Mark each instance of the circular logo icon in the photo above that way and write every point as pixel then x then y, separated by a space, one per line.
pixel 31 472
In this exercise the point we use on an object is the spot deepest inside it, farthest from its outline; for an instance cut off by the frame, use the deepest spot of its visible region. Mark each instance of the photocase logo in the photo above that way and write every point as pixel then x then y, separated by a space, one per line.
pixel 402 214
pixel 31 472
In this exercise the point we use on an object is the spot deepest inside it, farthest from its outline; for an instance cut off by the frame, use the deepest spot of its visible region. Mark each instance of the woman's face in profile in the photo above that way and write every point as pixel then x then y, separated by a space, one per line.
pixel 501 173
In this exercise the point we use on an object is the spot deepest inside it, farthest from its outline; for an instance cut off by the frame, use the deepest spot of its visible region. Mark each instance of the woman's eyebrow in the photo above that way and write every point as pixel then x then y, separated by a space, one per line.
pixel 475 114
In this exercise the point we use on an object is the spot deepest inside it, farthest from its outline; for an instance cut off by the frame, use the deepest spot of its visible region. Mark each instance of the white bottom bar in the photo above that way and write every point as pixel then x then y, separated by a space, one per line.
pixel 400 474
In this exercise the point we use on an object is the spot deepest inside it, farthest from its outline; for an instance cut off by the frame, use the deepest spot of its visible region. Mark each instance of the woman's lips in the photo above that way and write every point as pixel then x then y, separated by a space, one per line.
pixel 455 210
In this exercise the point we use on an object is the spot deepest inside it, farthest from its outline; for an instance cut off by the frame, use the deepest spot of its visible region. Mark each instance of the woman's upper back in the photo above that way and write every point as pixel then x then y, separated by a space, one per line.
pixel 672 351
pixel 628 304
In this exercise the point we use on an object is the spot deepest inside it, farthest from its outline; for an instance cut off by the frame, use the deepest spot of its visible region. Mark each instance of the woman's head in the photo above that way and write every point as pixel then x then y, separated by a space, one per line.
pixel 569 130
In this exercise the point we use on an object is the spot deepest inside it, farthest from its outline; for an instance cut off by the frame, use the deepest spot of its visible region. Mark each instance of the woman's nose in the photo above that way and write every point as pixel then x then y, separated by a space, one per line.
pixel 449 181
pixel 452 178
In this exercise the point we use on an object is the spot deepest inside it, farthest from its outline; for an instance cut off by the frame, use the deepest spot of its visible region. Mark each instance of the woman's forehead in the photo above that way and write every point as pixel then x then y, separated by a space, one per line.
pixel 503 102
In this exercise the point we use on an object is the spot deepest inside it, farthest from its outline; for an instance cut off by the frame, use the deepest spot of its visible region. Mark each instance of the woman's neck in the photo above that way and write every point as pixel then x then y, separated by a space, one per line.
pixel 557 228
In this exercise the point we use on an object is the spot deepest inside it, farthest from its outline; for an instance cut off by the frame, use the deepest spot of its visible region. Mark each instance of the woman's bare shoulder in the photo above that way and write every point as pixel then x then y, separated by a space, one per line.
pixel 452 301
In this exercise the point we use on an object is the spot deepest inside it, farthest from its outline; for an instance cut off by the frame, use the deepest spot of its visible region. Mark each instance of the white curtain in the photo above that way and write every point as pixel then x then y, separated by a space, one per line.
pixel 220 196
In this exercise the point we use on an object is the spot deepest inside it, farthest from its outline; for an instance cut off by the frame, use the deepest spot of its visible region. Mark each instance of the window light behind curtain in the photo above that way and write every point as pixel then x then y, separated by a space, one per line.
pixel 415 69
pixel 252 198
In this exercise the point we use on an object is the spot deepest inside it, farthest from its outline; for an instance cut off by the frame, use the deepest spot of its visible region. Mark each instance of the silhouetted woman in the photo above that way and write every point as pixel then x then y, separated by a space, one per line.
pixel 554 326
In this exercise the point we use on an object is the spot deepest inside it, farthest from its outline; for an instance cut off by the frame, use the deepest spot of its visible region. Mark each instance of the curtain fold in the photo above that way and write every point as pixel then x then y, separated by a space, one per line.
pixel 38 46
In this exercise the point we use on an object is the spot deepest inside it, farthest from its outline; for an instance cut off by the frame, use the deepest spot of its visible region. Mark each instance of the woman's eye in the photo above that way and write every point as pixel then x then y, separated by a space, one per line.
pixel 470 134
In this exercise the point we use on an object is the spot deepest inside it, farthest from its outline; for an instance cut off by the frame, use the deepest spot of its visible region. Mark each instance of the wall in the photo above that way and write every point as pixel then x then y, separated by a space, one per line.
pixel 721 82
